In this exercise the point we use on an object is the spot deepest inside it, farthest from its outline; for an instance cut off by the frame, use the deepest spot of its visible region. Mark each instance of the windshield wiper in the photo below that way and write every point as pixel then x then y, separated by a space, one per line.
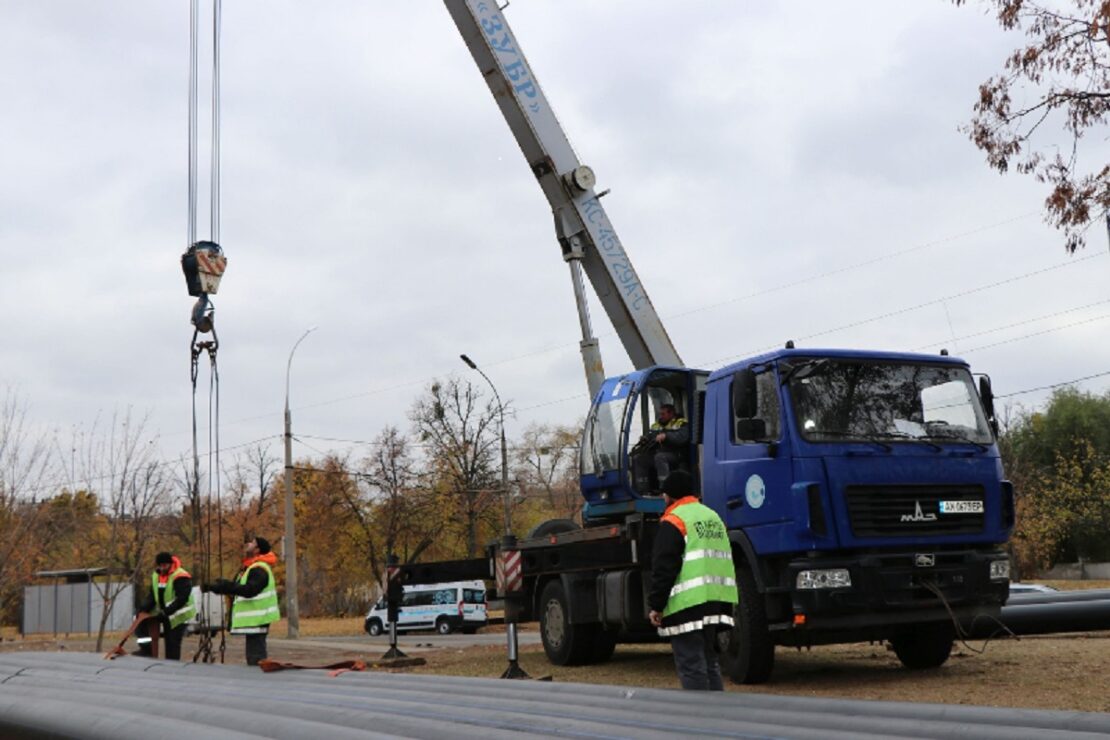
pixel 803 370
pixel 852 437
pixel 956 437
pixel 909 438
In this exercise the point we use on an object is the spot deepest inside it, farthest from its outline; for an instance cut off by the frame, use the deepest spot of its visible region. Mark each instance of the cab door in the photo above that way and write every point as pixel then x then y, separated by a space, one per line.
pixel 753 475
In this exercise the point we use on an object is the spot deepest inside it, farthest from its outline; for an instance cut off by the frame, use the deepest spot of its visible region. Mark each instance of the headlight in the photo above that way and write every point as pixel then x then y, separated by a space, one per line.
pixel 831 578
pixel 1000 570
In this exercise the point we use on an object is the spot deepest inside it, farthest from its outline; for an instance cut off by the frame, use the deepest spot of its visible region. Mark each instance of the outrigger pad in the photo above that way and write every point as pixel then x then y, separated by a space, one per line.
pixel 203 264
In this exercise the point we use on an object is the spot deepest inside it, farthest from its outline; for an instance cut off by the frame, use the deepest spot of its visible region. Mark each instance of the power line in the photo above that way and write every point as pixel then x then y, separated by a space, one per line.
pixel 854 266
pixel 794 283
pixel 1037 333
pixel 1054 385
pixel 908 309
pixel 1014 325
pixel 64 481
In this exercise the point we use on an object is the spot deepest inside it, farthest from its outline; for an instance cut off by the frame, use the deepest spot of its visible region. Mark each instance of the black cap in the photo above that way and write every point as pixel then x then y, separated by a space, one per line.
pixel 263 544
pixel 163 558
pixel 678 484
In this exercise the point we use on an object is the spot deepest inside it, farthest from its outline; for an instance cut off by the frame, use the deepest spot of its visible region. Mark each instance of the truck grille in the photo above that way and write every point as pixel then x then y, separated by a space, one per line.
pixel 911 511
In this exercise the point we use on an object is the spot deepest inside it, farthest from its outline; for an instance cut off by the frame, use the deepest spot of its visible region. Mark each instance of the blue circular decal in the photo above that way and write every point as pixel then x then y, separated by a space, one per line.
pixel 755 492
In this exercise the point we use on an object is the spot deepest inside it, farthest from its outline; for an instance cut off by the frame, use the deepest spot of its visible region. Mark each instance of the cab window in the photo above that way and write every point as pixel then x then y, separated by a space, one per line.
pixel 766 425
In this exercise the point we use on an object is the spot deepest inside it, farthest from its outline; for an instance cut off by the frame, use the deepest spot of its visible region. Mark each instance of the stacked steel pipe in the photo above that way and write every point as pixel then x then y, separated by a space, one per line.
pixel 84 696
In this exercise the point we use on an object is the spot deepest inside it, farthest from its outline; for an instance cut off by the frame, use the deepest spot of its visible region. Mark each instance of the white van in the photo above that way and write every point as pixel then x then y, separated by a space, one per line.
pixel 444 607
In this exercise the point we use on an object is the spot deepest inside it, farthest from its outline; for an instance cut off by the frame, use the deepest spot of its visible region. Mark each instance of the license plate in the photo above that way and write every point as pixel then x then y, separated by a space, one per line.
pixel 961 507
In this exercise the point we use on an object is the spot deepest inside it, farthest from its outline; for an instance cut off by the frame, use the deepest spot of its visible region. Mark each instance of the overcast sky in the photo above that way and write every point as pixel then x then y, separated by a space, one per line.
pixel 779 172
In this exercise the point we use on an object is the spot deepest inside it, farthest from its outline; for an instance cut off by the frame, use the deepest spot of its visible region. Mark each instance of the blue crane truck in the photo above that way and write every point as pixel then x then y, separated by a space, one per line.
pixel 863 491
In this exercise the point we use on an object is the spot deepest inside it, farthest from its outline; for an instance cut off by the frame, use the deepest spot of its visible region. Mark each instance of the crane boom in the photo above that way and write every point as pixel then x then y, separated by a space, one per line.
pixel 585 234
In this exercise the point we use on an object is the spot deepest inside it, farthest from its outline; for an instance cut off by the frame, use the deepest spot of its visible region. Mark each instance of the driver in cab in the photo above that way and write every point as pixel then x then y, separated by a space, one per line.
pixel 662 449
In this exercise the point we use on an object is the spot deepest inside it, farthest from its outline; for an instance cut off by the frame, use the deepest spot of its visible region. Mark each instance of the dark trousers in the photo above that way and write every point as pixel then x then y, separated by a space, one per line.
pixel 649 469
pixel 173 641
pixel 256 648
pixel 695 657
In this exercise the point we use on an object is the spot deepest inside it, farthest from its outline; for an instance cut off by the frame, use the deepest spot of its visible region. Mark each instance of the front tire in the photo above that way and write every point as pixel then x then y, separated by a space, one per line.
pixel 444 626
pixel 565 643
pixel 747 653
pixel 924 646
pixel 374 627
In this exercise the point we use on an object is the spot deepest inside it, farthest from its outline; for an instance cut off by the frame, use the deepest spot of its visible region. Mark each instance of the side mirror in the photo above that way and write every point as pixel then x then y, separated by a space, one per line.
pixel 986 395
pixel 743 394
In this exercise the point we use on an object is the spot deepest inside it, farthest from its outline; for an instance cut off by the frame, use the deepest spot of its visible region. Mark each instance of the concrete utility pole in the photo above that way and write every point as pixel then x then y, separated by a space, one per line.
pixel 292 613
pixel 504 449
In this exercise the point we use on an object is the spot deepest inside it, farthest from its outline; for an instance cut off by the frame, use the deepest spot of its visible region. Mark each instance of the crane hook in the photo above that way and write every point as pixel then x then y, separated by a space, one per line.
pixel 203 264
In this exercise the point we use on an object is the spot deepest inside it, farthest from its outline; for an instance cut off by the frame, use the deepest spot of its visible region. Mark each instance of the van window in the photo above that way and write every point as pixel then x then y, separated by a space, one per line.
pixel 444 596
pixel 418 598
pixel 474 596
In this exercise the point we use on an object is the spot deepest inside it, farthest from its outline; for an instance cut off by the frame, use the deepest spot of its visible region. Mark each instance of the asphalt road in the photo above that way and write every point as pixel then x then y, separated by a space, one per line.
pixel 415 642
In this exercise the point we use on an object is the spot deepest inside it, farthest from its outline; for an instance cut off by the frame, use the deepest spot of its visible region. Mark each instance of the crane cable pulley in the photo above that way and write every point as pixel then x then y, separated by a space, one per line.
pixel 203 264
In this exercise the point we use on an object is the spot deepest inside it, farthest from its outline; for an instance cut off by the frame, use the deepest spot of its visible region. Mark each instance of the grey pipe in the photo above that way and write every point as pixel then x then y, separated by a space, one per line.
pixel 1042 617
pixel 211 699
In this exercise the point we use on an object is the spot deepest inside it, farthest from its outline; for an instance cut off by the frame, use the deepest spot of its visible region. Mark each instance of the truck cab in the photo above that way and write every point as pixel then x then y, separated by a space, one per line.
pixel 863 491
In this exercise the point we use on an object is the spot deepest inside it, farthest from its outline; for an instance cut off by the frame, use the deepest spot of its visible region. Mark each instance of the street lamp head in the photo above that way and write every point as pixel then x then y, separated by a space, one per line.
pixel 468 361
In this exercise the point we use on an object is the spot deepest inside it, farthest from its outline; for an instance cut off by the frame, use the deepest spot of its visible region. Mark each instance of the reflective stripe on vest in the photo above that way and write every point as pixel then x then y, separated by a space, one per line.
pixel 696 624
pixel 251 613
pixel 182 615
pixel 707 573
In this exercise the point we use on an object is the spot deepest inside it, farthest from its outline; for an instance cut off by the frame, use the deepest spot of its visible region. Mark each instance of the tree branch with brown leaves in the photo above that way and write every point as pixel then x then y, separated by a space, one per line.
pixel 1065 66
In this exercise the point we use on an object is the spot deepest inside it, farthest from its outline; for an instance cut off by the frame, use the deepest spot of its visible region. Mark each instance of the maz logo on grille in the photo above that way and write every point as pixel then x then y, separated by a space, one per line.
pixel 918 515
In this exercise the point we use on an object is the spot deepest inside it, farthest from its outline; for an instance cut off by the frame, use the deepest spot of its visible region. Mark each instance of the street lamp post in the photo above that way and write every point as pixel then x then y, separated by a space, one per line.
pixel 508 545
pixel 504 449
pixel 292 613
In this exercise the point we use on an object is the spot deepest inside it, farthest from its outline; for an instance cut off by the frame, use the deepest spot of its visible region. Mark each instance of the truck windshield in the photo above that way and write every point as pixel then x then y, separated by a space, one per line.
pixel 836 400
pixel 601 436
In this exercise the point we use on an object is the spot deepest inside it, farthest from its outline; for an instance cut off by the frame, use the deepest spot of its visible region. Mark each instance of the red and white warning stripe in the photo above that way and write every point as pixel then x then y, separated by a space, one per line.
pixel 509 575
pixel 213 264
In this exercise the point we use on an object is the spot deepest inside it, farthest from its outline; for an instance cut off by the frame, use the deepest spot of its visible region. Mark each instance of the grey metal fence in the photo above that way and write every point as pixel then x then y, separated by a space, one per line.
pixel 64 608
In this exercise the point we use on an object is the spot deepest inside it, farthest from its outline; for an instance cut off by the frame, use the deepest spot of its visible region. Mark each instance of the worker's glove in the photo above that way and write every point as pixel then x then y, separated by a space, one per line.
pixel 219 586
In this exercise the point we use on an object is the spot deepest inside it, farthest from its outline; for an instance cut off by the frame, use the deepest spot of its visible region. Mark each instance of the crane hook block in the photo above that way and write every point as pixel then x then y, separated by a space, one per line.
pixel 203 265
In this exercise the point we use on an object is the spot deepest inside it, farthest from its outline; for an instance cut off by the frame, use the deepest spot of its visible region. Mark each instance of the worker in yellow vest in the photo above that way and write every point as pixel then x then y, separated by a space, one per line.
pixel 170 601
pixel 693 583
pixel 663 448
pixel 255 606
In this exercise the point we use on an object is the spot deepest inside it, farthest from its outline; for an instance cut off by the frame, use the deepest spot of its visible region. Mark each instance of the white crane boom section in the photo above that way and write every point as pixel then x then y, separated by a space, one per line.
pixel 581 224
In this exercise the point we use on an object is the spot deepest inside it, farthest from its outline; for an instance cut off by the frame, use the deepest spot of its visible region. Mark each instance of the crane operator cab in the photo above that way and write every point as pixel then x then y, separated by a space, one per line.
pixel 641 426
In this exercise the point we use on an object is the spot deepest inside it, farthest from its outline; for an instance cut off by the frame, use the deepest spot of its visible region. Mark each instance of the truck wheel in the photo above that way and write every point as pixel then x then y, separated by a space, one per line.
pixel 444 626
pixel 924 646
pixel 747 653
pixel 564 643
pixel 373 627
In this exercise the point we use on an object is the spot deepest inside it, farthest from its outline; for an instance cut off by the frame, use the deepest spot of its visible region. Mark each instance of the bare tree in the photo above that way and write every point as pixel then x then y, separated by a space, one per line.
pixel 119 464
pixel 389 508
pixel 1059 77
pixel 24 464
pixel 263 467
pixel 546 460
pixel 462 440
